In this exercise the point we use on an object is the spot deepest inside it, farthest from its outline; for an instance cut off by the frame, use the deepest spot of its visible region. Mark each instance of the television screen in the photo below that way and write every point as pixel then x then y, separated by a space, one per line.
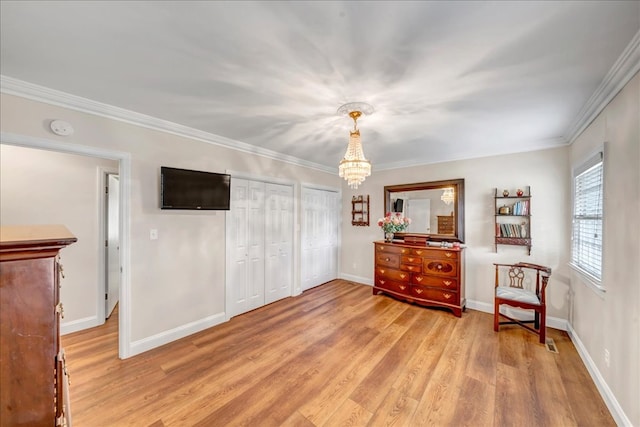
pixel 188 189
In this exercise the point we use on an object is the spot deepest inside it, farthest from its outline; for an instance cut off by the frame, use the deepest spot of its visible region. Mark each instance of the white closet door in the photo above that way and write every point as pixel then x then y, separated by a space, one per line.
pixel 278 242
pixel 246 241
pixel 320 223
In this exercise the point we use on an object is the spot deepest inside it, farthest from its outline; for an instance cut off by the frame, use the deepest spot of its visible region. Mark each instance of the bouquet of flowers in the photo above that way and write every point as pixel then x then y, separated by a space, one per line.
pixel 394 223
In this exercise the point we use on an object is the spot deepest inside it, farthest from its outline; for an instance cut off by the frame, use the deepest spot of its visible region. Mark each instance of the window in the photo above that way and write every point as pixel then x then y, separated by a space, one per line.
pixel 586 248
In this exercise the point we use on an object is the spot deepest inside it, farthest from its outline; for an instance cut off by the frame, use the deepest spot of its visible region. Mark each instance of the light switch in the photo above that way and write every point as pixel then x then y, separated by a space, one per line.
pixel 153 234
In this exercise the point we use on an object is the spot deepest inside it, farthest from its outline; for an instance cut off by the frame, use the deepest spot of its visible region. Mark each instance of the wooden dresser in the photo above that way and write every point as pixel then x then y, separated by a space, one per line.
pixel 31 366
pixel 429 276
pixel 445 224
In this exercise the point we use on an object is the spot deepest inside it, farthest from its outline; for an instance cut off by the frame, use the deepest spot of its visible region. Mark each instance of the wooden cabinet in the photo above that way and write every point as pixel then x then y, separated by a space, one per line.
pixel 445 224
pixel 31 368
pixel 513 218
pixel 360 210
pixel 429 276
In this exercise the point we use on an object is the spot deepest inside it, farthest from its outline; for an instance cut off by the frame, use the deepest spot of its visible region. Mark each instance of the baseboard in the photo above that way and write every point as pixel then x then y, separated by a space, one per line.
pixel 358 279
pixel 552 322
pixel 80 325
pixel 146 344
pixel 607 395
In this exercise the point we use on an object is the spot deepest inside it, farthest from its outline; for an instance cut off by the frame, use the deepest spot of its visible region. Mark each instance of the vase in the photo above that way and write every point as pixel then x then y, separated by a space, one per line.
pixel 388 236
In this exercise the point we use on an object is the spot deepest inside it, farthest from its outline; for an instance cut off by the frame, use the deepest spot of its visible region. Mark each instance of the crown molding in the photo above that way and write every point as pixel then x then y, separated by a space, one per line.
pixel 618 76
pixel 11 86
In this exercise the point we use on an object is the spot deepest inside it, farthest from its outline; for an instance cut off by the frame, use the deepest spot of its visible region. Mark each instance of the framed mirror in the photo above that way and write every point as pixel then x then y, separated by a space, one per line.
pixel 436 208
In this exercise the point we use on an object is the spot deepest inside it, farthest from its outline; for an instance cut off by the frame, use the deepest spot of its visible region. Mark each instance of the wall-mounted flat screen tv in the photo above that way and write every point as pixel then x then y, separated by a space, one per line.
pixel 193 190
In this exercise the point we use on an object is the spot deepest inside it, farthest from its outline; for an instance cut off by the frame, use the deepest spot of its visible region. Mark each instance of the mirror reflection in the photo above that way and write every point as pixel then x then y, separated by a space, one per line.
pixel 436 208
pixel 431 211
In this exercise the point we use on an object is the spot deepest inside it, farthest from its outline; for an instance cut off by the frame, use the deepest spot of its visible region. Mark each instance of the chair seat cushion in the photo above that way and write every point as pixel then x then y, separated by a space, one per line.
pixel 517 294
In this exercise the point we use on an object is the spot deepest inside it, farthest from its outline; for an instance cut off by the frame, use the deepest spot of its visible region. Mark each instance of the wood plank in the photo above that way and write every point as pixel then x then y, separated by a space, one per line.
pixel 336 355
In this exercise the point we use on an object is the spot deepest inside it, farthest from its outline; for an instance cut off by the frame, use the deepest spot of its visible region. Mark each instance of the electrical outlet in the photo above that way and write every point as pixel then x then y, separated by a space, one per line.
pixel 607 358
pixel 153 234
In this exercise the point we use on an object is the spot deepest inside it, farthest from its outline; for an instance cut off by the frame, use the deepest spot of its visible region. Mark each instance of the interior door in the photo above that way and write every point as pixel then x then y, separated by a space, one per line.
pixel 112 281
pixel 320 226
pixel 278 242
pixel 245 239
pixel 419 210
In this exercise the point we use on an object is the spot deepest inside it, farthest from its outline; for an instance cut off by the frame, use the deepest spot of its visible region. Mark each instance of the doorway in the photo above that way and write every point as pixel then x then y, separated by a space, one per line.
pixel 112 233
pixel 124 173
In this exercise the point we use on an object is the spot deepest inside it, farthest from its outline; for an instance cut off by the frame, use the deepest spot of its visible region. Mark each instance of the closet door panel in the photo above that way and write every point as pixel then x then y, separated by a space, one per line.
pixel 320 237
pixel 279 242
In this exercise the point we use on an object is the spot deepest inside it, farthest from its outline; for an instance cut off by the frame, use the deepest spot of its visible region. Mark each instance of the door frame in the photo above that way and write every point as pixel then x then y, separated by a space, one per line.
pixel 296 228
pixel 124 171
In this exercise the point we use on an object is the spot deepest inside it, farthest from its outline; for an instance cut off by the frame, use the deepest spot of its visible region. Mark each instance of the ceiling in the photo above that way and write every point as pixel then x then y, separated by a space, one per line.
pixel 447 80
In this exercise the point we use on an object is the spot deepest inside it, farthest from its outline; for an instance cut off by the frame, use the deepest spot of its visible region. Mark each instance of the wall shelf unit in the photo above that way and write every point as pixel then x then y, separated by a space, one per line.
pixel 513 217
pixel 360 210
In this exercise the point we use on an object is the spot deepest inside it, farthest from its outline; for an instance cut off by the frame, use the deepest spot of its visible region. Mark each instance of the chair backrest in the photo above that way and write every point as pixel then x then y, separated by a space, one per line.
pixel 516 276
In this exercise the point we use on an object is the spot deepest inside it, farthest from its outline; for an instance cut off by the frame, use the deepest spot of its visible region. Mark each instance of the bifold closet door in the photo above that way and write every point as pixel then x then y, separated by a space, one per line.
pixel 320 221
pixel 278 242
pixel 245 275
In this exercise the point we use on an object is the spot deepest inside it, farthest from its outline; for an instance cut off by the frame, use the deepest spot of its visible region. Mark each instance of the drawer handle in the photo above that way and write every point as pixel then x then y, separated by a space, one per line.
pixel 60 310
pixel 419 252
pixel 412 268
pixel 382 282
pixel 402 275
pixel 411 259
pixel 439 267
pixel 419 278
pixel 402 287
pixel 447 296
pixel 404 251
pixel 381 248
pixel 448 254
pixel 382 270
pixel 447 282
pixel 419 291
pixel 387 259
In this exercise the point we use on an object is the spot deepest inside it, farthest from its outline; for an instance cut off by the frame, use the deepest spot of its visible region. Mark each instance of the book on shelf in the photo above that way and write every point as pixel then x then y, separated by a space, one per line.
pixel 511 230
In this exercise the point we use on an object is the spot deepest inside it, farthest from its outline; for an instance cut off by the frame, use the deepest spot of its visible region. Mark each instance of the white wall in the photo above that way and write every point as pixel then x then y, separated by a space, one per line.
pixel 177 281
pixel 44 187
pixel 610 320
pixel 547 173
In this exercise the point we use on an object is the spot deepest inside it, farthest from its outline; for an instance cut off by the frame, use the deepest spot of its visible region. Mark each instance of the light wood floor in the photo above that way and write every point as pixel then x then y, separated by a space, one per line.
pixel 337 355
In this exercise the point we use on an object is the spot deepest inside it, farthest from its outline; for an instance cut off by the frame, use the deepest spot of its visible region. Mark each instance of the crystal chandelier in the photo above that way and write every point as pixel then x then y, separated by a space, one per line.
pixel 447 196
pixel 354 167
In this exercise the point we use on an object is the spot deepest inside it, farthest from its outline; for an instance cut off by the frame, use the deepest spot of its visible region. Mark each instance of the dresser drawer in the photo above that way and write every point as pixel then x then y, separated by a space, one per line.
pixel 435 281
pixel 411 259
pixel 441 254
pixel 392 285
pixel 440 267
pixel 393 274
pixel 433 294
pixel 387 259
pixel 390 248
pixel 412 268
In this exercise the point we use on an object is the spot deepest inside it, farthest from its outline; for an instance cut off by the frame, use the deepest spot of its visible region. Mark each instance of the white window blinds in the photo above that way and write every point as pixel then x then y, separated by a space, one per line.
pixel 586 254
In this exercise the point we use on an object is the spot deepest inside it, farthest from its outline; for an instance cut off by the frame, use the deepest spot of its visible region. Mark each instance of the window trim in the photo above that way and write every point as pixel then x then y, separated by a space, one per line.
pixel 595 157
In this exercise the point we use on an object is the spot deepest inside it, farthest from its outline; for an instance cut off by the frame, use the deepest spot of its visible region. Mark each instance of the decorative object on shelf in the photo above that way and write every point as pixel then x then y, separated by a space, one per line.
pixel 393 223
pixel 354 167
pixel 447 196
pixel 513 218
pixel 360 210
